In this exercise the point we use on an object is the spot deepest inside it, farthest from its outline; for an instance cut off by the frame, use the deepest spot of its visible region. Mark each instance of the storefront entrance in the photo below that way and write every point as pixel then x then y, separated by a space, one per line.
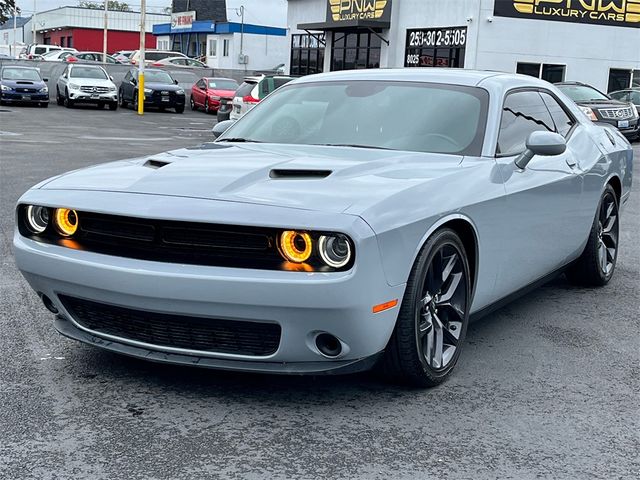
pixel 354 50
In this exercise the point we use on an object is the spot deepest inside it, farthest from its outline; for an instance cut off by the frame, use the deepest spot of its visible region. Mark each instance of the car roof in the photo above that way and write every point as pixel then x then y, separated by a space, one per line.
pixel 219 78
pixel 19 66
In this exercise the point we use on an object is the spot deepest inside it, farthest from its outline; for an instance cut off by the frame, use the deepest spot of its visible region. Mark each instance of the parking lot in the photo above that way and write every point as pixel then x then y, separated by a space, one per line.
pixel 547 387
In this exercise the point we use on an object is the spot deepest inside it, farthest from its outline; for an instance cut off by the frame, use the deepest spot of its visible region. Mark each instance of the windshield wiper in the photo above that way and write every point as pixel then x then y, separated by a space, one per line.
pixel 239 140
pixel 353 145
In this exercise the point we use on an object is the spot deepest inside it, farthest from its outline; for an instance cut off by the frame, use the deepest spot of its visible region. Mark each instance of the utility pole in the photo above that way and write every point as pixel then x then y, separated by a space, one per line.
pixel 33 23
pixel 242 32
pixel 104 33
pixel 15 14
pixel 141 65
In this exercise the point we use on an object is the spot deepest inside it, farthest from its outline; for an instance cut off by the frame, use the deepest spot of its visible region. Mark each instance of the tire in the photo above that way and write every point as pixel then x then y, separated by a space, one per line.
pixel 180 109
pixel 68 103
pixel 596 265
pixel 134 103
pixel 123 102
pixel 59 99
pixel 207 109
pixel 192 104
pixel 222 116
pixel 100 105
pixel 44 104
pixel 428 319
pixel 113 106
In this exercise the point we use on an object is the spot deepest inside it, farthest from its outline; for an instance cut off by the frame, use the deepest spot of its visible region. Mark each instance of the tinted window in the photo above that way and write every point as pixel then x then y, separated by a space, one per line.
pixel 522 114
pixel 88 72
pixel 40 50
pixel 562 121
pixel 582 93
pixel 158 55
pixel 245 89
pixel 635 97
pixel 435 118
pixel 178 61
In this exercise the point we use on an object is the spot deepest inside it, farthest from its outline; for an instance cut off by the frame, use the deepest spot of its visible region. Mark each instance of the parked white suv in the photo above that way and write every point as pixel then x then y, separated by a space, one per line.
pixel 86 84
pixel 151 56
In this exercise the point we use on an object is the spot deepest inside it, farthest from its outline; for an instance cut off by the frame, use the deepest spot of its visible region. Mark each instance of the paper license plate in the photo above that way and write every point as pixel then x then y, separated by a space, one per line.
pixel 26 97
pixel 95 97
pixel 623 124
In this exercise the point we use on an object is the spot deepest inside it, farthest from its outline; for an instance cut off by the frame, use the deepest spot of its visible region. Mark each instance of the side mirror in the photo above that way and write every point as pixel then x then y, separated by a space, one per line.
pixel 175 81
pixel 541 143
pixel 45 79
pixel 111 77
pixel 133 81
pixel 221 127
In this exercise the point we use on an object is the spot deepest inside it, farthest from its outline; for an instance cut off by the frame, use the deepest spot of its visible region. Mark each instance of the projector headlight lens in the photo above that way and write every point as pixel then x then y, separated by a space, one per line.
pixel 66 221
pixel 335 250
pixel 37 218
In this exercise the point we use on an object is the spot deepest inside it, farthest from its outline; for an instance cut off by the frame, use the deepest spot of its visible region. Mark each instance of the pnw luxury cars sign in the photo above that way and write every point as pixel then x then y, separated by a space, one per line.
pixel 339 11
pixel 622 13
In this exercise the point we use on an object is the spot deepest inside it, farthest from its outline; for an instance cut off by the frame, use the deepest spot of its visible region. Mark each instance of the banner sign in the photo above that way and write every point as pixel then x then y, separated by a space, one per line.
pixel 339 11
pixel 620 13
pixel 182 20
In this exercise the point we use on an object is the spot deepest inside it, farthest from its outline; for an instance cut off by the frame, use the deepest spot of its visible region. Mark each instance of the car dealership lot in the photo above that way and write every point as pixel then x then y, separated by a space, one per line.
pixel 548 386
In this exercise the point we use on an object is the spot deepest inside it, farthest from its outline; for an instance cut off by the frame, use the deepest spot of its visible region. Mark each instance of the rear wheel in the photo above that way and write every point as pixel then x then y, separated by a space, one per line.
pixel 597 263
pixel 433 318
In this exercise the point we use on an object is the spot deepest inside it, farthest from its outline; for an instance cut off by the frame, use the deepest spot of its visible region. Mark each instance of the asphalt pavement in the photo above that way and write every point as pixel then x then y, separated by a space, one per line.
pixel 546 387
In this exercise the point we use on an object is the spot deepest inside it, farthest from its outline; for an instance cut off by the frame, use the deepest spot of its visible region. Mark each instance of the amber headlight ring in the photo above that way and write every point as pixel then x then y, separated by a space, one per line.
pixel 295 246
pixel 66 221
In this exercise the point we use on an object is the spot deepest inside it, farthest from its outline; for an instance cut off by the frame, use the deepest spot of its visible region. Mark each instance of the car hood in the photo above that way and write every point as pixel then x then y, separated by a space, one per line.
pixel 169 87
pixel 604 104
pixel 330 179
pixel 93 82
pixel 23 83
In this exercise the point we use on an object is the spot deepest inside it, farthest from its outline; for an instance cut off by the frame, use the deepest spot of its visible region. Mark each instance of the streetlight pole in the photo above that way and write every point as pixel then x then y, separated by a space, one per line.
pixel 15 14
pixel 141 64
pixel 104 33
pixel 33 23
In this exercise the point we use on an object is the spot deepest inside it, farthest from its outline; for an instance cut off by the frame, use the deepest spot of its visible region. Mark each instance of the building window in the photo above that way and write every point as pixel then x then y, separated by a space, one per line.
pixel 619 79
pixel 69 41
pixel 307 54
pixel 225 48
pixel 213 47
pixel 436 47
pixel 355 50
pixel 546 71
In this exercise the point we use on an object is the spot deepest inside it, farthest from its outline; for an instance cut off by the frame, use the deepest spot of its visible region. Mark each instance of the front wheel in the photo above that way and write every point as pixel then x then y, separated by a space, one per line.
pixel 180 109
pixel 67 101
pixel 192 104
pixel 207 108
pixel 113 106
pixel 123 102
pixel 44 104
pixel 597 263
pixel 135 101
pixel 432 322
pixel 59 99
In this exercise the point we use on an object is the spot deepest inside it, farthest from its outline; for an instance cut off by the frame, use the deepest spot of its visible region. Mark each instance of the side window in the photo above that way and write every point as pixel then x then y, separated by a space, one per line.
pixel 562 121
pixel 522 114
pixel 200 84
pixel 635 97
pixel 127 77
pixel 264 87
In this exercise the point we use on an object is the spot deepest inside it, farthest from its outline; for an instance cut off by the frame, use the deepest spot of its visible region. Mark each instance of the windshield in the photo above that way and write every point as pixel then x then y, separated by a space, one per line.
pixel 421 117
pixel 88 72
pixel 20 74
pixel 155 76
pixel 582 93
pixel 223 84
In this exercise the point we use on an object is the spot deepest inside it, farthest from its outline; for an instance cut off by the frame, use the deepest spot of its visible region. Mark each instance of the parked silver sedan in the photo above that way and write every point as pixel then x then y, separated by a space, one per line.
pixel 350 220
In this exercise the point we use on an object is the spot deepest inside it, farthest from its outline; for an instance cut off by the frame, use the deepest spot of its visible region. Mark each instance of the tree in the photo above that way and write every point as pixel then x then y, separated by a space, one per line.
pixel 6 10
pixel 113 5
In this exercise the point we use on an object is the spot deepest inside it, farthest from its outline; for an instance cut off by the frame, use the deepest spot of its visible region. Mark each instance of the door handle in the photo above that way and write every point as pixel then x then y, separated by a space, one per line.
pixel 571 162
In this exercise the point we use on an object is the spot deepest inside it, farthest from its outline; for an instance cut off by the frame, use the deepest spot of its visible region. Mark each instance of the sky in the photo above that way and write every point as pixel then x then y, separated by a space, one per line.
pixel 27 5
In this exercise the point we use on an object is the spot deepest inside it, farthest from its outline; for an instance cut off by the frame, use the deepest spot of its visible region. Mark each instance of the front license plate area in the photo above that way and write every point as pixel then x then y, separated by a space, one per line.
pixel 95 97
pixel 26 97
pixel 623 124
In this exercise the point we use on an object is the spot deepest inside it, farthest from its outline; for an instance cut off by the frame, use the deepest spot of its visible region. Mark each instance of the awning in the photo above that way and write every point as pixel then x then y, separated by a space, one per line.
pixel 346 25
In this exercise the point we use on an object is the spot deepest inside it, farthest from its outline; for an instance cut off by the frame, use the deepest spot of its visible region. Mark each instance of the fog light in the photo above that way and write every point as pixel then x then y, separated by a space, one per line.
pixel 66 221
pixel 37 218
pixel 295 246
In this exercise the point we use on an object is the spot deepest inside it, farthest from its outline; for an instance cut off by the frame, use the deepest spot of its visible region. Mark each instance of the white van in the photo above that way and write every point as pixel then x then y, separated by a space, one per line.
pixel 42 49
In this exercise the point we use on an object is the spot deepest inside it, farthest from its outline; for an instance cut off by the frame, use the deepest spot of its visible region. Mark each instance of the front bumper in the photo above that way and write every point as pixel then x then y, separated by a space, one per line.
pixel 303 304
pixel 24 97
pixel 164 101
pixel 631 131
pixel 84 97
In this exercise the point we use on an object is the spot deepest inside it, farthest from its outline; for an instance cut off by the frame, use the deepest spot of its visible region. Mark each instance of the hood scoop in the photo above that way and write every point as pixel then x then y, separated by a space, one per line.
pixel 22 82
pixel 155 164
pixel 298 174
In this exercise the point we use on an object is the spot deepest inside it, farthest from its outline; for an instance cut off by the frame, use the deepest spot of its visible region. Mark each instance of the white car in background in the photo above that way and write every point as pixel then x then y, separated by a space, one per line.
pixel 179 62
pixel 152 56
pixel 58 55
pixel 86 84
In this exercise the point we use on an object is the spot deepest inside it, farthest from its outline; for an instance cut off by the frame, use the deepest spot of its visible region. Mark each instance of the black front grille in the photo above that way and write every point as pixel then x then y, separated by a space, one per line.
pixel 178 331
pixel 178 242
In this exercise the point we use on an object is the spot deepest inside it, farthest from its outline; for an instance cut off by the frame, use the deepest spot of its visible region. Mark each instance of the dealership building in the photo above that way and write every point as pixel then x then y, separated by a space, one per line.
pixel 592 41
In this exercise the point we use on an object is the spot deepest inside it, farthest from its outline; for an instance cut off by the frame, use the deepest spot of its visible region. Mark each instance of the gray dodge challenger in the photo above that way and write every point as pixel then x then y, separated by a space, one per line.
pixel 351 220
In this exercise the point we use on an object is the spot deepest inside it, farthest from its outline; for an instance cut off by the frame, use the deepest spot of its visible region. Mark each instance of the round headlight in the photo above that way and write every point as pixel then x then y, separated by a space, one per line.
pixel 66 221
pixel 295 246
pixel 335 250
pixel 37 218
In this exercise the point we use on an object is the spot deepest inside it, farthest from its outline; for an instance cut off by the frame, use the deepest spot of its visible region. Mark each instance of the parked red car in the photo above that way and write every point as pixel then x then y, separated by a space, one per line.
pixel 207 91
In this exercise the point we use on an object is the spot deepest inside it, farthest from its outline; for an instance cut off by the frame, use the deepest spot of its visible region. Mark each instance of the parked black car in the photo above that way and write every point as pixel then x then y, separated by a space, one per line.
pixel 600 107
pixel 161 90
pixel 23 84
pixel 628 95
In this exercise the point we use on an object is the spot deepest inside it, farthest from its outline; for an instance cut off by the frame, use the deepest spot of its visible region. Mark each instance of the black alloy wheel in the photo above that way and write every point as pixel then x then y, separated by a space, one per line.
pixel 59 99
pixel 597 263
pixel 192 104
pixel 135 100
pixel 207 109
pixel 67 101
pixel 123 102
pixel 434 315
